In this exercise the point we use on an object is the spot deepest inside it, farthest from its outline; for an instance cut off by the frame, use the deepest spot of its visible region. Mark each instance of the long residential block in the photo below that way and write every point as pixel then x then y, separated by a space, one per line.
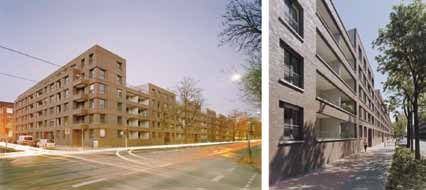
pixel 87 102
pixel 323 102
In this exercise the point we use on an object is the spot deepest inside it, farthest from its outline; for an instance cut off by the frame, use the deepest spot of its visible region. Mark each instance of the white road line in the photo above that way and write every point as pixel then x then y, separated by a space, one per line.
pixel 88 182
pixel 250 181
pixel 218 178
pixel 231 169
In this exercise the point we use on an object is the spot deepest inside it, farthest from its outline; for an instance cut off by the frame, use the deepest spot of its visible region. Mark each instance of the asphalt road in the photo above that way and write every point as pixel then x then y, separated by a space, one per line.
pixel 201 168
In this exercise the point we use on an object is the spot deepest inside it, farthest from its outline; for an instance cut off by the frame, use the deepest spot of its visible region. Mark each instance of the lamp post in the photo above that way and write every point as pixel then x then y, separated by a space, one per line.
pixel 249 128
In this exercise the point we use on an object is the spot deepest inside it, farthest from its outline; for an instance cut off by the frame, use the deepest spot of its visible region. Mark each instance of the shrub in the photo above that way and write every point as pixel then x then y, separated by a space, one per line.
pixel 406 172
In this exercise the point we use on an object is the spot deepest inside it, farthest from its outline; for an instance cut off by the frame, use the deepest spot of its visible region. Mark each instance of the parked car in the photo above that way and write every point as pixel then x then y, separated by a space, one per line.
pixel 46 143
pixel 26 140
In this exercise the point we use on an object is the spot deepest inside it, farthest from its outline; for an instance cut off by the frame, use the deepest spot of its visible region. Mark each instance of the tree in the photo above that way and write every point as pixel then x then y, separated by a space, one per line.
pixel 242 27
pixel 190 102
pixel 403 47
pixel 398 127
pixel 401 87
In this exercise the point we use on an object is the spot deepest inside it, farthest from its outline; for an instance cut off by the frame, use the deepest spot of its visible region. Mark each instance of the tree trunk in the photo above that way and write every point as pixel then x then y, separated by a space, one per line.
pixel 416 122
pixel 407 112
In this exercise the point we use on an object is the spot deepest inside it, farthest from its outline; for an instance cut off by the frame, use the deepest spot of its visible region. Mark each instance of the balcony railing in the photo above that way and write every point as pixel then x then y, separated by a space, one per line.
pixel 80 97
pixel 293 78
pixel 80 111
pixel 80 83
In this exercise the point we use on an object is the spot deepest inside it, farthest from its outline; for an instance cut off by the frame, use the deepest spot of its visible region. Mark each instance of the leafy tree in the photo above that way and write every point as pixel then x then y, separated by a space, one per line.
pixel 398 127
pixel 242 27
pixel 401 87
pixel 403 47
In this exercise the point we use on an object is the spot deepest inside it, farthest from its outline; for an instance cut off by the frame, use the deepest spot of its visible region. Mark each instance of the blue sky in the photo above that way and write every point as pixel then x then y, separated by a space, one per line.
pixel 367 16
pixel 162 41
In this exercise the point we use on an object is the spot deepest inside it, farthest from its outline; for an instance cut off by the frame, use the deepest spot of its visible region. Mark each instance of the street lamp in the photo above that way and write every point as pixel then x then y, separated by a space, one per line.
pixel 236 77
pixel 249 129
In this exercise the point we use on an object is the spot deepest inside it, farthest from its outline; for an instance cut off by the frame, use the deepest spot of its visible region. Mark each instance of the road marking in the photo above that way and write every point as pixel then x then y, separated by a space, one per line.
pixel 250 181
pixel 88 182
pixel 231 169
pixel 218 178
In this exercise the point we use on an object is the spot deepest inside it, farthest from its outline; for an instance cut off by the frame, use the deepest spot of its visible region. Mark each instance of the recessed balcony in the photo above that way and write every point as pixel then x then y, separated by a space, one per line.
pixel 80 111
pixel 329 128
pixel 81 97
pixel 331 60
pixel 328 92
pixel 80 83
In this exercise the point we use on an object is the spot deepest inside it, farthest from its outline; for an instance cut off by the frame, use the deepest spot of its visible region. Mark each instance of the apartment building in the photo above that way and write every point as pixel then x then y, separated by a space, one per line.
pixel 87 102
pixel 323 102
pixel 6 119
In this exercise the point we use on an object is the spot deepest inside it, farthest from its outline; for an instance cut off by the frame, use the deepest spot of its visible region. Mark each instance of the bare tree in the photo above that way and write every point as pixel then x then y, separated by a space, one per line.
pixel 190 102
pixel 242 27
pixel 242 24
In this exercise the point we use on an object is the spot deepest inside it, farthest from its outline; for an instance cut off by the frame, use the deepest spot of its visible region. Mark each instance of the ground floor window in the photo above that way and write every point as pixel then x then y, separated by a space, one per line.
pixel 102 132
pixel 293 122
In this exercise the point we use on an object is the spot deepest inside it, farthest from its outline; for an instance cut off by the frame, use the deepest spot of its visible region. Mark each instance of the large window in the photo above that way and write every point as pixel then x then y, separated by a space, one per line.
pixel 294 15
pixel 101 104
pixel 101 89
pixel 293 122
pixel 293 67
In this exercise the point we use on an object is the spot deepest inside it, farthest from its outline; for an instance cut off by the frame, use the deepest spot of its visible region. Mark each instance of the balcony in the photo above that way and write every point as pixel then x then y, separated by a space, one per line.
pixel 328 92
pixel 329 128
pixel 330 23
pixel 80 83
pixel 81 97
pixel 332 61
pixel 80 111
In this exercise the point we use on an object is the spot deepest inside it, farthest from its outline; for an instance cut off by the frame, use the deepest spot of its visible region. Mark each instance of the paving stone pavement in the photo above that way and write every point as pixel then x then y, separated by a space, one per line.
pixel 361 171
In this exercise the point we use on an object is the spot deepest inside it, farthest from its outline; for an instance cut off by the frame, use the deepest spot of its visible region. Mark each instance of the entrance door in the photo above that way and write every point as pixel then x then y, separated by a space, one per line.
pixel 370 137
pixel 167 138
pixel 76 137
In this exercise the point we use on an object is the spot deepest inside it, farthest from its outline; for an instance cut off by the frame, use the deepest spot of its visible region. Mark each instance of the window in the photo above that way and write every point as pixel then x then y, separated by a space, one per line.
pixel 101 104
pixel 66 93
pixel 90 58
pixel 101 89
pixel 119 79
pixel 119 65
pixel 119 106
pixel 65 107
pixel 119 93
pixel 119 120
pixel 92 89
pixel 293 67
pixel 92 73
pixel 102 118
pixel 9 110
pixel 82 63
pixel 91 133
pixel 90 118
pixel 294 15
pixel 101 74
pixel 66 80
pixel 102 132
pixel 91 104
pixel 293 122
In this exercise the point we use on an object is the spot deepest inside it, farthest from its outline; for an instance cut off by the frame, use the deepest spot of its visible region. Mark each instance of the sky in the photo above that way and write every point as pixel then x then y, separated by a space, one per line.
pixel 162 41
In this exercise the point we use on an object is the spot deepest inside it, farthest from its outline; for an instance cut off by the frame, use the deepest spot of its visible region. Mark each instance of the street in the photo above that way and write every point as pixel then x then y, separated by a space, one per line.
pixel 210 167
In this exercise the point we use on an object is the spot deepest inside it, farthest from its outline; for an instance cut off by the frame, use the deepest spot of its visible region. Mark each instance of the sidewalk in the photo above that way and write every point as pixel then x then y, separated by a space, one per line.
pixel 361 171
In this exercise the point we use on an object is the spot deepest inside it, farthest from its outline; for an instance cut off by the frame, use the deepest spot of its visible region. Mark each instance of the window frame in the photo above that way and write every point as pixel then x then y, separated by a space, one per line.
pixel 298 124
